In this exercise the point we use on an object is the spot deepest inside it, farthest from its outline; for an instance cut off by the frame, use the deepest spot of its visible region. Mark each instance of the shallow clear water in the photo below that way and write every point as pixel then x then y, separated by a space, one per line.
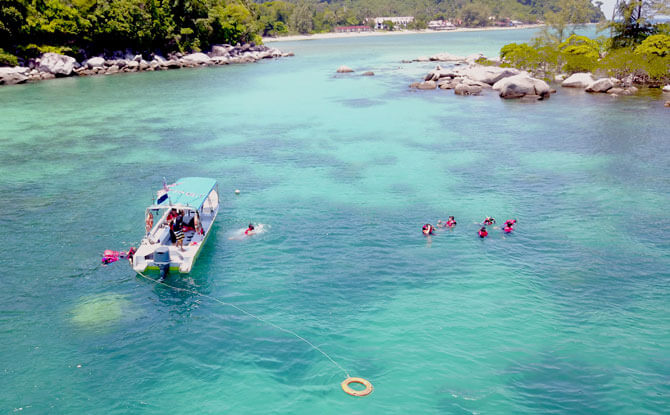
pixel 567 315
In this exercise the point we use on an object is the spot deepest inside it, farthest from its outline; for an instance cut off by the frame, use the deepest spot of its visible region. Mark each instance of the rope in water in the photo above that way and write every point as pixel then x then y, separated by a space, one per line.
pixel 262 320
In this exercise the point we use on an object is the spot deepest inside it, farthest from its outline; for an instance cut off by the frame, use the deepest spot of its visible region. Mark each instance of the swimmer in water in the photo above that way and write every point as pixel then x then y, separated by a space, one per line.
pixel 508 228
pixel 510 222
pixel 249 230
pixel 451 222
pixel 428 229
pixel 489 220
pixel 483 233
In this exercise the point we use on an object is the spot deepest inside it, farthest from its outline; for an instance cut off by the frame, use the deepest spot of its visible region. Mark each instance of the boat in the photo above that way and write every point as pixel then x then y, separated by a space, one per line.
pixel 198 199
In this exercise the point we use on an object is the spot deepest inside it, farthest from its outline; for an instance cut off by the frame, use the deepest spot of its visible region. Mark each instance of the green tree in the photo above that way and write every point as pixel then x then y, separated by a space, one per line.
pixel 12 22
pixel 572 15
pixel 579 53
pixel 231 23
pixel 474 15
pixel 656 45
pixel 53 22
pixel 632 21
pixel 122 24
pixel 301 19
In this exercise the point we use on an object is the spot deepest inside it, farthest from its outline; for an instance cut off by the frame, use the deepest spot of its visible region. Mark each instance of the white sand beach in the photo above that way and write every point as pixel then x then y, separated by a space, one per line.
pixel 333 35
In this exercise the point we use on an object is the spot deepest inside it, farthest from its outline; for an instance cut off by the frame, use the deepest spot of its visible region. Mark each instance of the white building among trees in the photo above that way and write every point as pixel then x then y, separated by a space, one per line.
pixel 398 22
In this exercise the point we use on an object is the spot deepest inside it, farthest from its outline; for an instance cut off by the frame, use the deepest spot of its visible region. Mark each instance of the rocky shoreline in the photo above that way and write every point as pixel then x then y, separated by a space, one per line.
pixel 53 65
pixel 466 77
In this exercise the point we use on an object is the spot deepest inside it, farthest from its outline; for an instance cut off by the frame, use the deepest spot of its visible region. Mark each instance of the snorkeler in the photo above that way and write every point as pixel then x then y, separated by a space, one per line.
pixel 428 229
pixel 489 220
pixel 451 222
pixel 483 233
pixel 110 256
pixel 510 222
pixel 508 228
pixel 249 230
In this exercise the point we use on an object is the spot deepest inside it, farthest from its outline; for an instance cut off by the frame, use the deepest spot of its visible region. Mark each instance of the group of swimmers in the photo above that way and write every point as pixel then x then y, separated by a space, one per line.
pixel 508 226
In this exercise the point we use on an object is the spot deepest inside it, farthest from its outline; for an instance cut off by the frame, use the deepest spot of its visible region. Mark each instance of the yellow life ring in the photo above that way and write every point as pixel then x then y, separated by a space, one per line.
pixel 353 392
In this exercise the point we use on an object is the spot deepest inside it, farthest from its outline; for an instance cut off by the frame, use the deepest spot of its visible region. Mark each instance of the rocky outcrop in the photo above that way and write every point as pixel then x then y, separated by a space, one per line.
pixel 221 60
pixel 438 73
pixel 51 65
pixel 59 65
pixel 487 74
pixel 96 62
pixel 445 57
pixel 427 85
pixel 521 85
pixel 463 89
pixel 617 91
pixel 221 50
pixel 578 80
pixel 196 59
pixel 344 69
pixel 480 75
pixel 602 85
pixel 14 75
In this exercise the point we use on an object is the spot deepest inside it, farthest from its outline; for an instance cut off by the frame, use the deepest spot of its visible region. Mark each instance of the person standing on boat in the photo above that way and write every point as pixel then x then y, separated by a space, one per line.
pixel 177 228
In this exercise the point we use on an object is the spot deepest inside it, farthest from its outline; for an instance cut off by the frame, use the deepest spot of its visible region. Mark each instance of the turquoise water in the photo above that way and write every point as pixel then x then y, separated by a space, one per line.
pixel 567 315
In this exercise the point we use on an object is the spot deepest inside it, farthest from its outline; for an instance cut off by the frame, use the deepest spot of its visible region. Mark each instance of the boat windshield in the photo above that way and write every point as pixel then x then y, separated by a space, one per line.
pixel 212 202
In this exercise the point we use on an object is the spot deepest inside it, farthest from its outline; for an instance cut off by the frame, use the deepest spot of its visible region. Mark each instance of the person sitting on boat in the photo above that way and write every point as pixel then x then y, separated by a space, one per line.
pixel 489 220
pixel 249 230
pixel 428 229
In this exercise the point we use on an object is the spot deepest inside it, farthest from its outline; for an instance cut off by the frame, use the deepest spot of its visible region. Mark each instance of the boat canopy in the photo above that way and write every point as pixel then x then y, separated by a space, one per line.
pixel 188 191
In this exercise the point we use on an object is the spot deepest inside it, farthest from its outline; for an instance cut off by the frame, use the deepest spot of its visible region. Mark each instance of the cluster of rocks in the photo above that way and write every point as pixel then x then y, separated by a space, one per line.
pixel 52 65
pixel 448 57
pixel 466 77
pixel 346 69
pixel 611 86
pixel 473 79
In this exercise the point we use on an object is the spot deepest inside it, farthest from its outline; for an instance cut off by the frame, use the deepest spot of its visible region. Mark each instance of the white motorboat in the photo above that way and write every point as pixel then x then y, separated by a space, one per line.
pixel 197 199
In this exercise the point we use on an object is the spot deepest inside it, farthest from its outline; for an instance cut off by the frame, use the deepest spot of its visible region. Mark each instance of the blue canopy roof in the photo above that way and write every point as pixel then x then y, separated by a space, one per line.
pixel 189 191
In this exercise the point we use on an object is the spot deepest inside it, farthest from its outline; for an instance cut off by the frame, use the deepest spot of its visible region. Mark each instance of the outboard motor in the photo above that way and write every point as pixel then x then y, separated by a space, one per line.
pixel 162 259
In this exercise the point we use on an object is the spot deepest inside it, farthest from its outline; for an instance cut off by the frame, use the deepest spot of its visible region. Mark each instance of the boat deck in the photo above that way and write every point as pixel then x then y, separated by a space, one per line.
pixel 160 236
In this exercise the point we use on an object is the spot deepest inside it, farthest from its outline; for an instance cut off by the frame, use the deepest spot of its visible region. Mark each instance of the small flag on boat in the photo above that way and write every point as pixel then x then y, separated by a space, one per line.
pixel 163 193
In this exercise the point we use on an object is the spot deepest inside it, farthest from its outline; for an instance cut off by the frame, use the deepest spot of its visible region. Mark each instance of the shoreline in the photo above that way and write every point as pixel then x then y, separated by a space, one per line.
pixel 334 35
pixel 53 65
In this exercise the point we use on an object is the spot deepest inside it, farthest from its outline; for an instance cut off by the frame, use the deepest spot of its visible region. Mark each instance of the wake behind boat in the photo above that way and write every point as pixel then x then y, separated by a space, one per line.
pixel 183 214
